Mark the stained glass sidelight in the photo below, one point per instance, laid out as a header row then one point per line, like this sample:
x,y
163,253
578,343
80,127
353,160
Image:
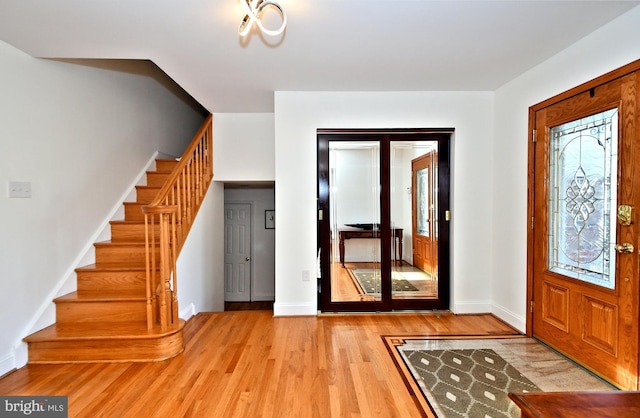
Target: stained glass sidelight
x,y
582,196
422,189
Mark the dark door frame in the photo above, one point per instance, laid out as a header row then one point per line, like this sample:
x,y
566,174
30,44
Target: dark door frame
x,y
385,136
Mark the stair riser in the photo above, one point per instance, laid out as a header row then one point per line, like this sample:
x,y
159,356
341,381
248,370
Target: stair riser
x,y
121,255
133,212
166,165
130,232
156,179
106,280
106,350
100,311
146,195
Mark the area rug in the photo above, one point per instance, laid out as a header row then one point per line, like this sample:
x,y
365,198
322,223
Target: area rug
x,y
471,376
369,281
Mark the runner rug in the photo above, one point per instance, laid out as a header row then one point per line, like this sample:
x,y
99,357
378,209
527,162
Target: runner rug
x,y
472,376
369,281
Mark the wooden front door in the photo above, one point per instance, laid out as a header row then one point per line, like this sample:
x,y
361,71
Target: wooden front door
x,y
585,228
424,193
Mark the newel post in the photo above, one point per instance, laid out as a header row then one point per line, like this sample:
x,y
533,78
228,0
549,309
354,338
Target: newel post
x,y
161,283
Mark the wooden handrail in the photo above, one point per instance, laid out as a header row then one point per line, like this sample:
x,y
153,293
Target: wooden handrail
x,y
204,131
174,208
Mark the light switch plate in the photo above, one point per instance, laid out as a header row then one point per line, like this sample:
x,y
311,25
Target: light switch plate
x,y
19,189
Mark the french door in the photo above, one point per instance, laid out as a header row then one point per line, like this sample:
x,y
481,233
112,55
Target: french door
x,y
585,230
367,202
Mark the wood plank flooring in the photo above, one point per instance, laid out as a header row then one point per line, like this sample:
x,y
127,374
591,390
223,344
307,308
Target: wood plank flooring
x,y
344,287
250,364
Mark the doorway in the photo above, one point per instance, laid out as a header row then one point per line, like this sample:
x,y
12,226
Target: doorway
x,y
368,205
584,195
237,252
424,212
249,242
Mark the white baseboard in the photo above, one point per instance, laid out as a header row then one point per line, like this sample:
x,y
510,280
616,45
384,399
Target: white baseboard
x,y
16,359
7,363
510,318
188,312
283,309
472,307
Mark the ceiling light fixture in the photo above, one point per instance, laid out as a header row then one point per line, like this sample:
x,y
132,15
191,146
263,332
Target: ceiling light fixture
x,y
254,10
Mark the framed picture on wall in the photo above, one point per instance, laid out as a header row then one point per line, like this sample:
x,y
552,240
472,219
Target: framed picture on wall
x,y
270,219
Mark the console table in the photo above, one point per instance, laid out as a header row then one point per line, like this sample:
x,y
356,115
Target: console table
x,y
614,404
351,233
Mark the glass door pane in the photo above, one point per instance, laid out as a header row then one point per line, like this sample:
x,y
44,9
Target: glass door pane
x,y
583,167
414,219
354,196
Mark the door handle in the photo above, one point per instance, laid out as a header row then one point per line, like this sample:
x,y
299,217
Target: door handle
x,y
626,248
249,258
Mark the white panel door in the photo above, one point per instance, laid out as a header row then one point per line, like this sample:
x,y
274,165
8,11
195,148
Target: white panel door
x,y
237,255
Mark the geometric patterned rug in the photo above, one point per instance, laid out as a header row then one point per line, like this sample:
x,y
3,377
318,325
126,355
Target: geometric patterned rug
x,y
471,376
470,383
369,281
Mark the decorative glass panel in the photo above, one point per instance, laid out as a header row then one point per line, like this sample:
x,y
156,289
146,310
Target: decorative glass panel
x,y
582,197
422,200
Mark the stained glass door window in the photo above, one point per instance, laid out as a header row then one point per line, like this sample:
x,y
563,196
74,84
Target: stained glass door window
x,y
582,197
422,202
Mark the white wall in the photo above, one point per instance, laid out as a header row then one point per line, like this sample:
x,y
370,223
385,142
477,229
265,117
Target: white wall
x,y
81,135
355,198
244,147
263,240
608,48
299,114
200,268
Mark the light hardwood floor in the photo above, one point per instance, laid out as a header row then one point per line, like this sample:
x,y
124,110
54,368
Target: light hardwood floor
x,y
345,289
250,364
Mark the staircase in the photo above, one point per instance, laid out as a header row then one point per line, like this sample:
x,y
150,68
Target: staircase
x,y
119,313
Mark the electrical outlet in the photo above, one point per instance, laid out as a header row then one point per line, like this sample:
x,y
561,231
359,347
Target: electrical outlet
x,y
19,189
306,275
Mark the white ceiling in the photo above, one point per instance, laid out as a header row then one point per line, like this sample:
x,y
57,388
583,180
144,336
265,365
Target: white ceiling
x,y
329,45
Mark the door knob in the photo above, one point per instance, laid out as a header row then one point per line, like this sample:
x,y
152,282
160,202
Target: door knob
x,y
247,258
624,248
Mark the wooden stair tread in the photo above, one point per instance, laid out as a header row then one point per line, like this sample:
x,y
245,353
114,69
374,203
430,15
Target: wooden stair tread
x,y
119,244
193,187
81,296
106,330
94,267
126,222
